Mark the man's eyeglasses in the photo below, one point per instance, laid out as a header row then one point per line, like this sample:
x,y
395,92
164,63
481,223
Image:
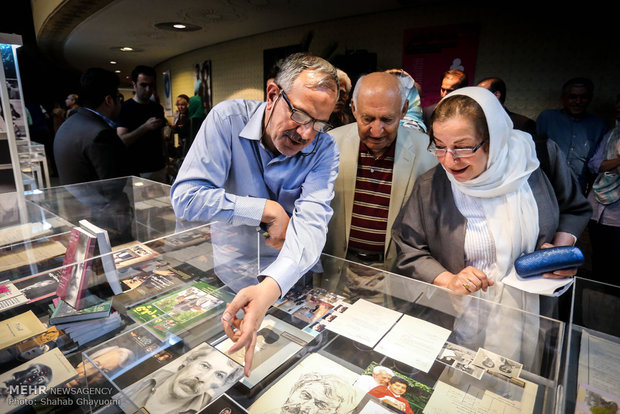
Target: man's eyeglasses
x,y
303,118
456,152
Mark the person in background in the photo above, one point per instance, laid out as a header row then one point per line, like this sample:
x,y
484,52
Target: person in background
x,y
413,118
181,124
342,112
576,131
604,227
498,87
141,127
451,80
86,147
72,105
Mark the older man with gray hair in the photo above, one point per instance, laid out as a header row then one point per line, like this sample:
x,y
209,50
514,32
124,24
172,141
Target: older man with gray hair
x,y
270,164
379,164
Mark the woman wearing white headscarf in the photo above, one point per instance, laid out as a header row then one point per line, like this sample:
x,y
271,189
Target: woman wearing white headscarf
x,y
486,204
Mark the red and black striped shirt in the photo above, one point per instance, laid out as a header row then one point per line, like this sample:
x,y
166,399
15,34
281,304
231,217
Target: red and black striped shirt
x,y
371,203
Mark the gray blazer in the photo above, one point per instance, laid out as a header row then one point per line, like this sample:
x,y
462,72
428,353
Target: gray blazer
x,y
429,232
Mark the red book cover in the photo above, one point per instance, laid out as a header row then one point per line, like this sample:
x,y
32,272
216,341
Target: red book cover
x,y
68,263
76,283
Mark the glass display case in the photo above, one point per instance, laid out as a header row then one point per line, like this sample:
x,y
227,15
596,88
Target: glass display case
x,y
592,375
347,338
36,228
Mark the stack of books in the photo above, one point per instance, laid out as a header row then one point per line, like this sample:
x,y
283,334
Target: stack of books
x,y
86,324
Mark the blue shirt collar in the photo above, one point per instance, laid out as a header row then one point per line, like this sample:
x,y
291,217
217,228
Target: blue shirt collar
x,y
107,120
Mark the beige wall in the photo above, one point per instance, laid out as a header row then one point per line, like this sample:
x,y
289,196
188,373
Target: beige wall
x,y
534,57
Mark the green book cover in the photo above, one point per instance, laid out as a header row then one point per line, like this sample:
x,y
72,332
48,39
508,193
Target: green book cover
x,y
65,313
182,308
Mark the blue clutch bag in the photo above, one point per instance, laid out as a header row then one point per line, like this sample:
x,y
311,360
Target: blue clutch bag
x,y
547,260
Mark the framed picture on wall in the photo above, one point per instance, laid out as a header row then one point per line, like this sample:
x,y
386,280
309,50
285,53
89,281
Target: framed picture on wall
x,y
430,51
167,94
202,84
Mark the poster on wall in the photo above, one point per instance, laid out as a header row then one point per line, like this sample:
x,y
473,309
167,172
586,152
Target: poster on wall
x,y
430,51
202,85
167,94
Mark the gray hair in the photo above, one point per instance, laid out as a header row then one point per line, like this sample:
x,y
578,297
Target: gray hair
x,y
334,388
296,63
380,368
402,90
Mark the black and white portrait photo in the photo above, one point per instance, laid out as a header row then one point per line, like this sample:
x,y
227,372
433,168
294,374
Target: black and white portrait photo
x,y
187,384
316,385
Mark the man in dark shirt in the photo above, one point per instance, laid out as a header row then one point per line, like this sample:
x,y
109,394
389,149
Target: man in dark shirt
x,y
86,146
498,87
140,126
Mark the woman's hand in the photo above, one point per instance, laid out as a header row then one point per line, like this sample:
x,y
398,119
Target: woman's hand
x,y
466,281
561,273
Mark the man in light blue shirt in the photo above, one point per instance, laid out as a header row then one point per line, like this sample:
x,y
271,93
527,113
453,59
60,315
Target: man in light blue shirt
x,y
576,131
268,163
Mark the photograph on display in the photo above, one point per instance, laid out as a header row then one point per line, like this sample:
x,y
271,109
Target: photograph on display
x,y
130,350
394,389
315,385
38,287
181,309
188,238
494,363
460,358
276,342
127,256
310,305
591,400
225,405
187,384
10,296
458,392
32,379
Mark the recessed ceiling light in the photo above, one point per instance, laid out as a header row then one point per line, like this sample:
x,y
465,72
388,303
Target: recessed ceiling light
x,y
126,49
177,26
117,71
112,62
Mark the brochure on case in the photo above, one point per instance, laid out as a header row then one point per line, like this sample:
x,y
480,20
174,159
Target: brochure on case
x,y
364,322
19,328
599,363
456,392
181,309
10,296
414,341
